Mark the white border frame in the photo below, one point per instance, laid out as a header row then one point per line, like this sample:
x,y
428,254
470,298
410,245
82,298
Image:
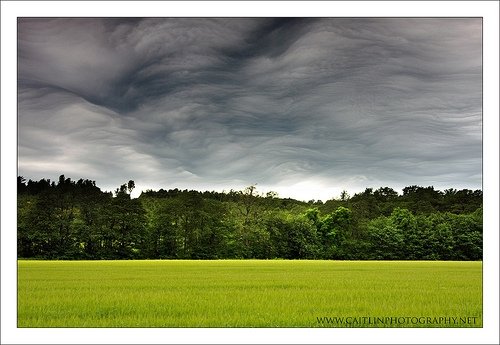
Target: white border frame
x,y
11,10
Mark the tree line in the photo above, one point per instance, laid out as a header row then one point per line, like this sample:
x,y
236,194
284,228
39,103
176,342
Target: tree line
x,y
76,220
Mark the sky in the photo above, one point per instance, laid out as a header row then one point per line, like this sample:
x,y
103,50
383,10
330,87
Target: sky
x,y
306,107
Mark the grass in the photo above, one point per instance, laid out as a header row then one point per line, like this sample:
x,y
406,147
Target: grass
x,y
248,293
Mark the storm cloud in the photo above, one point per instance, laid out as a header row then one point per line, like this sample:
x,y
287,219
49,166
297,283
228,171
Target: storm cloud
x,y
303,106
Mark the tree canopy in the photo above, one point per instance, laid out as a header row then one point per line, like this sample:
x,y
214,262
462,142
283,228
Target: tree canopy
x,y
76,220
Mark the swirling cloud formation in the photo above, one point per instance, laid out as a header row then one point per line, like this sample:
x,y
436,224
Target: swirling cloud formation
x,y
303,106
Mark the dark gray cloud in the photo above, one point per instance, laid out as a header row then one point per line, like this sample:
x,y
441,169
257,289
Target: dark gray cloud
x,y
307,107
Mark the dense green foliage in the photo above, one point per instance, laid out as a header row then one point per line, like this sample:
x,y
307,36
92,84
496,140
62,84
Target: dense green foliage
x,y
247,293
76,220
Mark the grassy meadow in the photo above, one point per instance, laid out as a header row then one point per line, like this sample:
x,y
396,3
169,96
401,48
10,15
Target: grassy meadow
x,y
249,293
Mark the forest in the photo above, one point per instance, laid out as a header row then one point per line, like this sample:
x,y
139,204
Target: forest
x,y
75,220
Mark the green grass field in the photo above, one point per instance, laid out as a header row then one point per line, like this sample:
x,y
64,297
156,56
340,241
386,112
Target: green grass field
x,y
249,293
